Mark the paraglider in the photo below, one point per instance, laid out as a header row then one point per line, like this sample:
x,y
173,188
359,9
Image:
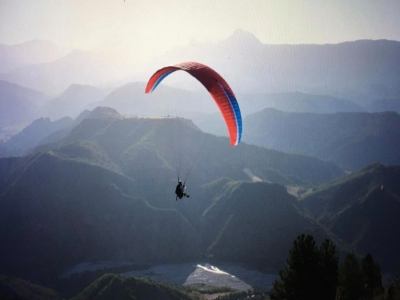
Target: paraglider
x,y
180,191
218,88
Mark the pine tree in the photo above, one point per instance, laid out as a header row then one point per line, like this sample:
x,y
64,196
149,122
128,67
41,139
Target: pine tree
x,y
329,270
393,292
372,277
311,272
351,283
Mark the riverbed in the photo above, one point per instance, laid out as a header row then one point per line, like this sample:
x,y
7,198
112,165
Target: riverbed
x,y
233,276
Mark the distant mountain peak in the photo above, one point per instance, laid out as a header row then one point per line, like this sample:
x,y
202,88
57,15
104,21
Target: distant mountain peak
x,y
102,112
241,36
73,88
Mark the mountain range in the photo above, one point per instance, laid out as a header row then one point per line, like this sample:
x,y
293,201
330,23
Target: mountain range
x,y
347,77
350,140
29,53
104,191
76,67
361,71
114,174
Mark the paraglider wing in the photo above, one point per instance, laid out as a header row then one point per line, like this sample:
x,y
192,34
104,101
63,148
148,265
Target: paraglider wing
x,y
216,86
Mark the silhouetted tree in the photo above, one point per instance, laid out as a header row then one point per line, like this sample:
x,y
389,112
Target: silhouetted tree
x,y
311,273
329,270
372,277
393,292
351,286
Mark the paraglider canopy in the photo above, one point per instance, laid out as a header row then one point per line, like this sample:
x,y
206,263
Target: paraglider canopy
x,y
218,88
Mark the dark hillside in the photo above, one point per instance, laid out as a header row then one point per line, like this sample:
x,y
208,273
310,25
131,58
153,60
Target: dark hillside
x,y
7,166
255,223
60,212
112,286
154,151
106,192
18,289
363,209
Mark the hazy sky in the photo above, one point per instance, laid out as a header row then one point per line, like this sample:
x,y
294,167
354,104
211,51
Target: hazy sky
x,y
148,28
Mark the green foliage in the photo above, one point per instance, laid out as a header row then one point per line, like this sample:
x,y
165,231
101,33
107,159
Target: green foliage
x,y
372,276
311,272
393,292
351,284
328,266
360,280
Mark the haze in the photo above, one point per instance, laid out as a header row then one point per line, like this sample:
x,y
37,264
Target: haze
x,y
89,162
137,31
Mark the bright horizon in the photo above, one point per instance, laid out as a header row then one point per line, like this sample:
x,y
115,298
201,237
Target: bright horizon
x,y
138,31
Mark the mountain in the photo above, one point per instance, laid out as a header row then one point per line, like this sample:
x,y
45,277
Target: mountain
x,y
112,286
362,209
177,142
31,135
289,102
28,53
18,289
58,212
131,99
296,102
158,150
201,109
44,131
72,101
77,67
106,192
361,71
255,223
198,105
57,135
18,104
350,140
384,105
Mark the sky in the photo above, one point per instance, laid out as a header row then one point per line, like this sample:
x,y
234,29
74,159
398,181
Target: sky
x,y
146,29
